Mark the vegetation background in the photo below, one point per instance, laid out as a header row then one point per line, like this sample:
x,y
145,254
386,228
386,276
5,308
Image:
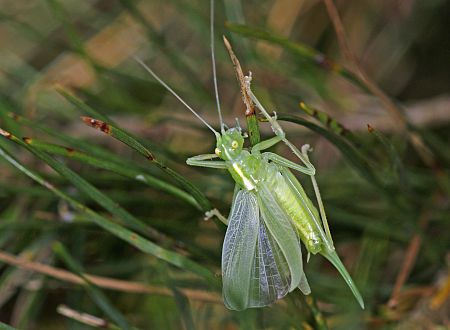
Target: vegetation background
x,y
107,230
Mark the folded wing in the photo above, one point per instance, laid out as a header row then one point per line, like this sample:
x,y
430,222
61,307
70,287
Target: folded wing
x,y
261,260
238,253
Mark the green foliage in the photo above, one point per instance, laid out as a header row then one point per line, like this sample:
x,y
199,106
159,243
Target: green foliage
x,y
119,202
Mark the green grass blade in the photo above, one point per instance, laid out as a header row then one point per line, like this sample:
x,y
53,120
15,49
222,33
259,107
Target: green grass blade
x,y
106,126
133,143
90,190
96,294
301,50
184,309
328,121
81,105
4,326
117,230
350,153
117,167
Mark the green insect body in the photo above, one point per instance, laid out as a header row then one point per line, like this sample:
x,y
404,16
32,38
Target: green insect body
x,y
256,172
270,215
248,169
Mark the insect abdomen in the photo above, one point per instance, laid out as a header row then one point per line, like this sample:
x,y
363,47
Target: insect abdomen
x,y
294,208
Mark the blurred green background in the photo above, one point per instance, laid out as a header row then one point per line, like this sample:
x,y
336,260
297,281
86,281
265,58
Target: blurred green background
x,y
73,200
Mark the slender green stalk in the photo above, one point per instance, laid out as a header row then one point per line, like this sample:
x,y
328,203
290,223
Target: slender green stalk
x,y
320,320
117,167
130,141
96,294
117,230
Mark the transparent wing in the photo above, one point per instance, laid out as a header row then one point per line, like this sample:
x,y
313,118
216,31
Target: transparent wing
x,y
255,269
271,277
239,251
280,227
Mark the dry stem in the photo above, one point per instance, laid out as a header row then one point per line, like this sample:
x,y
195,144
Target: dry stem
x,y
105,282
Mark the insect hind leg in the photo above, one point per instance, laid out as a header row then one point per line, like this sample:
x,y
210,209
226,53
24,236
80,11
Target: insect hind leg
x,y
276,128
302,155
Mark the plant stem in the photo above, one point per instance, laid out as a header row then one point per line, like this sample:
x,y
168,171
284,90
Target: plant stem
x,y
250,114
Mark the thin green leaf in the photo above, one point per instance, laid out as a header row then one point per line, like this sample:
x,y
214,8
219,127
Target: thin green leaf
x,y
96,294
328,121
170,53
133,143
184,308
4,326
127,138
350,153
117,230
397,165
115,166
89,190
303,51
81,105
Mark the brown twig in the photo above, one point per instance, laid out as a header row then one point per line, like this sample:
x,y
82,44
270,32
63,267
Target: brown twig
x,y
84,318
250,113
105,282
425,154
250,108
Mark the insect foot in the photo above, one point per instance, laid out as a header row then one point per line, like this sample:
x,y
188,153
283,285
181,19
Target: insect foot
x,y
215,213
248,79
306,148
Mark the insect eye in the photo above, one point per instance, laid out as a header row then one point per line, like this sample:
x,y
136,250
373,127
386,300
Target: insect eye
x,y
217,151
234,144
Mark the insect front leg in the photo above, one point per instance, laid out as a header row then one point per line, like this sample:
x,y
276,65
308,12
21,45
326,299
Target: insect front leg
x,y
266,144
205,161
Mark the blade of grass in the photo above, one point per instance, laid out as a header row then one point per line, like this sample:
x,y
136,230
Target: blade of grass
x,y
184,309
117,230
81,105
96,294
172,54
127,138
88,189
328,121
350,153
303,51
130,141
116,167
4,326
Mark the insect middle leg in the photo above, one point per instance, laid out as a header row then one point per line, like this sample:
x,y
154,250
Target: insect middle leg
x,y
276,128
205,161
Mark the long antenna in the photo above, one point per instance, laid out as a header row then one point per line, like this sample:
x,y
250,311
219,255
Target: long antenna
x,y
213,58
173,93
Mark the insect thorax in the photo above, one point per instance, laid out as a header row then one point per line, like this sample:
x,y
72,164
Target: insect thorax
x,y
245,170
